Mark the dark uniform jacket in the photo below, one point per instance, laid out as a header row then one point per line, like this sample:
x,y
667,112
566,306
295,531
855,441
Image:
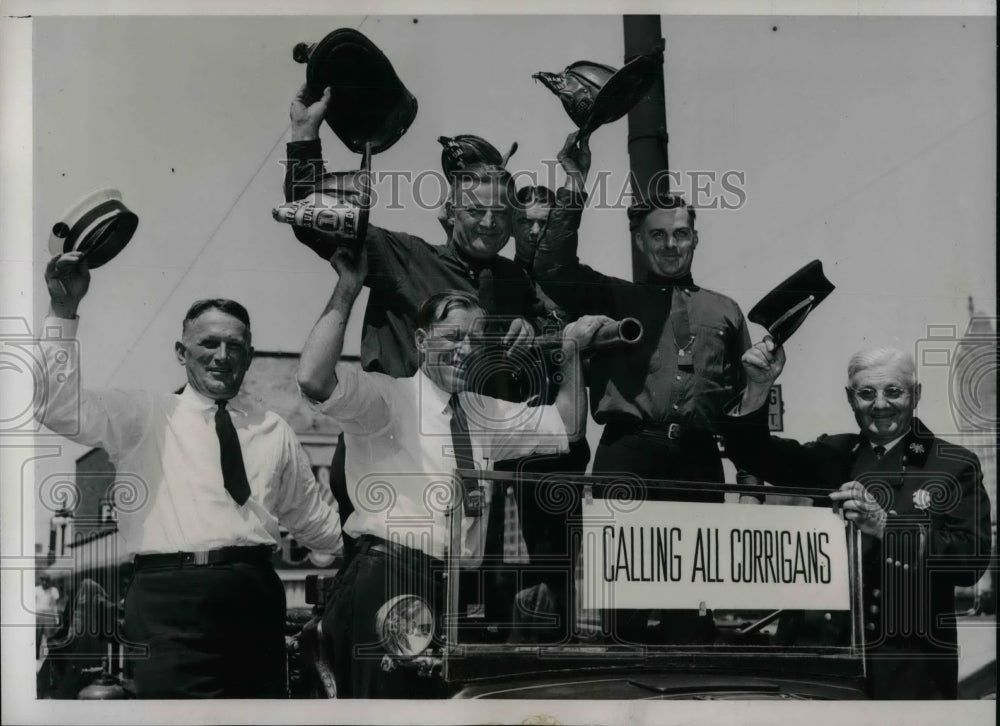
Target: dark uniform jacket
x,y
646,382
404,270
937,537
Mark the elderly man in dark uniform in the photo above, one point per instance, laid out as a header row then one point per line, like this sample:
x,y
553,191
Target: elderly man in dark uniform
x,y
918,500
659,400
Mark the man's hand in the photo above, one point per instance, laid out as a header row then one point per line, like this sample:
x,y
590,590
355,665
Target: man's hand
x,y
578,335
307,114
762,365
68,279
351,267
520,334
575,159
764,362
861,508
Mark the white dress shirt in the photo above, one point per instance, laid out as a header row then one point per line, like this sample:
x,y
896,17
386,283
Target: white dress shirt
x,y
400,463
169,490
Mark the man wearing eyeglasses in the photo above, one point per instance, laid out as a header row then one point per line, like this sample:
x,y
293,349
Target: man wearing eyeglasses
x,y
659,400
918,500
405,437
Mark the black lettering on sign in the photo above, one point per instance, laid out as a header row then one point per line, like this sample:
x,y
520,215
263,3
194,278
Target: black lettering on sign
x,y
640,554
826,567
735,563
706,555
609,571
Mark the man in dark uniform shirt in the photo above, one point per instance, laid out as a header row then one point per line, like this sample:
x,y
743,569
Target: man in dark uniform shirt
x,y
918,500
404,270
659,400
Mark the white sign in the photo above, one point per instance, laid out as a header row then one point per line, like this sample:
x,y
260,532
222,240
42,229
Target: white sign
x,y
679,555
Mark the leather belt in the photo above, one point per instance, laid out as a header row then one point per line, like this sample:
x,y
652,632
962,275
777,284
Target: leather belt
x,y
251,554
673,430
370,542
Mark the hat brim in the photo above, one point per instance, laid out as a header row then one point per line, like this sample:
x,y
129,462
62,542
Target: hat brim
x,y
623,91
368,103
99,232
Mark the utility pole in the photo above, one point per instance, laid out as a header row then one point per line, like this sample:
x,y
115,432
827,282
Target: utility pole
x,y
647,121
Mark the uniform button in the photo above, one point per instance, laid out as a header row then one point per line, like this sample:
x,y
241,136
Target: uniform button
x,y
898,563
873,609
876,593
675,406
905,566
888,560
680,354
677,377
827,616
870,627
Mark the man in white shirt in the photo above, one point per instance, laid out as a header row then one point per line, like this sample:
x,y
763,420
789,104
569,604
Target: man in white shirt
x,y
404,440
215,480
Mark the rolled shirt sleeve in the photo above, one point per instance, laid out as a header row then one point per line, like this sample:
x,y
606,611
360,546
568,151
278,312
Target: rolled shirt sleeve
x,y
510,430
356,403
300,506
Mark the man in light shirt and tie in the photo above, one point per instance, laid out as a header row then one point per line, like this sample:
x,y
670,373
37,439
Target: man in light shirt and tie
x,y
215,481
405,437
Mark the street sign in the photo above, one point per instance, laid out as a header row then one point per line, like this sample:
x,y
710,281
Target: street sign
x,y
775,409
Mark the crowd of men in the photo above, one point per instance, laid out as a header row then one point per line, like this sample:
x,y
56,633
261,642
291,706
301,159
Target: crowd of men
x,y
205,600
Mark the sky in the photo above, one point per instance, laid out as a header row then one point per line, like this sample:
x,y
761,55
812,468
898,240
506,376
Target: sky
x,y
866,142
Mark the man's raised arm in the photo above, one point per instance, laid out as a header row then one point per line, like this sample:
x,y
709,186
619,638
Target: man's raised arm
x,y
317,375
107,417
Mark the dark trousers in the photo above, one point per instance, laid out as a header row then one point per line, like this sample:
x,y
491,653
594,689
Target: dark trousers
x,y
212,632
371,579
639,454
543,513
652,454
338,486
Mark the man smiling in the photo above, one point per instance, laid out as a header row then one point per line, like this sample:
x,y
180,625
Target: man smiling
x,y
215,479
918,500
404,439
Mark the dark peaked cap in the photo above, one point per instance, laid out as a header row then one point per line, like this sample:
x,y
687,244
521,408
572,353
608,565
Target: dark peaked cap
x,y
786,307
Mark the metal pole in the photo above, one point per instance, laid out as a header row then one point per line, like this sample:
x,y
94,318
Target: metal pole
x,y
647,121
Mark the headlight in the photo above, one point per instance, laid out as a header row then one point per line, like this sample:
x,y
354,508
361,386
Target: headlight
x,y
405,626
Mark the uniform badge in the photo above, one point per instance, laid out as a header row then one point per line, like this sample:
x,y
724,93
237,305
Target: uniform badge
x,y
921,499
917,448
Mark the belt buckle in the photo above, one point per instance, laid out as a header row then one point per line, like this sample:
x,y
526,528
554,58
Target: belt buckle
x,y
674,431
200,558
473,501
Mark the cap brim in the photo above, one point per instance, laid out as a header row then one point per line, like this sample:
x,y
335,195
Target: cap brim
x,y
99,226
786,307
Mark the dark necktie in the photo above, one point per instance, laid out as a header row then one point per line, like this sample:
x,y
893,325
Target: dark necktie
x,y
462,442
879,451
487,291
234,473
681,326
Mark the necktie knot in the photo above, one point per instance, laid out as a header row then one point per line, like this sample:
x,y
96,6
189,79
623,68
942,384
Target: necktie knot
x,y
879,451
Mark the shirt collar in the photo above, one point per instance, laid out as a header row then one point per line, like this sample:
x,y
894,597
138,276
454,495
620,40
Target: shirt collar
x,y
434,398
889,447
192,398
